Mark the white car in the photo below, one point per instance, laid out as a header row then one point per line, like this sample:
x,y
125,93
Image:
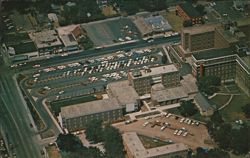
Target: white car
x,y
163,127
185,134
179,133
176,131
145,124
182,120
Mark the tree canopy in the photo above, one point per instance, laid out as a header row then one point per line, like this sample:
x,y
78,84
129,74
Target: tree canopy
x,y
213,153
94,131
113,143
246,110
187,109
110,137
209,84
68,143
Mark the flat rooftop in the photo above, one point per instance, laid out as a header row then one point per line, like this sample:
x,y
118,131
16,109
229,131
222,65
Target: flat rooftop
x,y
228,35
89,108
137,149
189,84
200,29
154,71
151,24
23,48
213,53
44,39
161,95
190,10
246,60
68,40
123,92
158,23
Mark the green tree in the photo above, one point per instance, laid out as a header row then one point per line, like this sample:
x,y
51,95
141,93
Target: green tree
x,y
241,140
209,84
200,9
246,110
68,143
216,118
212,153
86,43
223,136
187,109
113,143
187,23
94,131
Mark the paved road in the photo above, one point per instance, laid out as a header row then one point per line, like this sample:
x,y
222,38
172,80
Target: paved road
x,y
15,118
103,51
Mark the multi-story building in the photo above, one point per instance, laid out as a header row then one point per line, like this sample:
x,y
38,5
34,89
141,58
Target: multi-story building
x,y
135,149
198,38
210,36
47,41
75,117
142,80
125,94
189,13
224,63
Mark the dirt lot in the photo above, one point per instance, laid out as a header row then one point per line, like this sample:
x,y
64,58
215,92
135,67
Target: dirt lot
x,y
53,152
195,138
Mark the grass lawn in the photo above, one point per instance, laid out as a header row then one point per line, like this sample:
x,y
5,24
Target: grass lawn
x,y
149,142
233,110
21,20
220,100
175,21
233,88
230,88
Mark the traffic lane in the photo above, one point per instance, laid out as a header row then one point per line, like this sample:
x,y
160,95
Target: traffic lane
x,y
23,120
45,117
18,121
91,53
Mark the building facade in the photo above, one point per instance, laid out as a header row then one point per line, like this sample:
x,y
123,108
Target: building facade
x,y
47,42
224,63
135,149
142,80
198,38
75,117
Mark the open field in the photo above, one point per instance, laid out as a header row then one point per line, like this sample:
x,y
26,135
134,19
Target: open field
x,y
233,111
53,152
109,11
21,21
220,100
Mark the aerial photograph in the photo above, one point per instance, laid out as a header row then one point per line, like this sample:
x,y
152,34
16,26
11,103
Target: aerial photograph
x,y
124,78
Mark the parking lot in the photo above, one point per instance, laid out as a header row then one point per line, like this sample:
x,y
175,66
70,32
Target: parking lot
x,y
90,75
169,127
112,31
